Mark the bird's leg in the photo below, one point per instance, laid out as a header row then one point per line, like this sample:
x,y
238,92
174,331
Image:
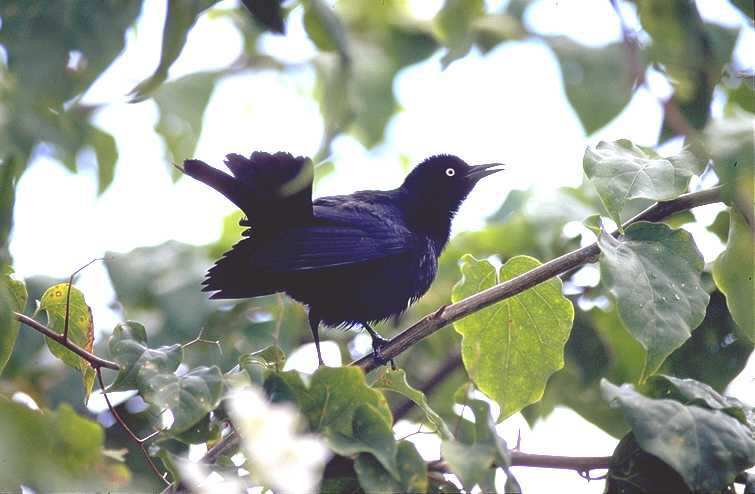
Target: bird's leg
x,y
378,342
314,324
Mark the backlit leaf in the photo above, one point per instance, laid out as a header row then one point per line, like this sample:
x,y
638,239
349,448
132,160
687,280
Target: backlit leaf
x,y
80,327
500,341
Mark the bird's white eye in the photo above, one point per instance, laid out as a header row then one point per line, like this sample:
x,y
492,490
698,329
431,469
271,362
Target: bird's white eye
x,y
450,172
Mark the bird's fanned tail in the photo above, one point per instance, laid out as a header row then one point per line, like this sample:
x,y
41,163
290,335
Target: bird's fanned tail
x,y
261,183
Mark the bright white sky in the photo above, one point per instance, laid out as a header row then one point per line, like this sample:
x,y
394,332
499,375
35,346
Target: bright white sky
x,y
508,106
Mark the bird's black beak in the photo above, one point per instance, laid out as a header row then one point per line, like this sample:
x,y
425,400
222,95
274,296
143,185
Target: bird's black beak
x,y
476,172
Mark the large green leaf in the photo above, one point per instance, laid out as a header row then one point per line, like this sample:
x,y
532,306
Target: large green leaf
x,y
500,342
12,299
333,396
733,273
80,327
179,20
139,363
708,448
598,81
621,171
654,273
395,380
370,434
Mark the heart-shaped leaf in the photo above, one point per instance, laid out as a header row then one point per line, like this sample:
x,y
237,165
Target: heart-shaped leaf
x,y
499,342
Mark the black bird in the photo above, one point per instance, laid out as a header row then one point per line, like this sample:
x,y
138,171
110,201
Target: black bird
x,y
354,259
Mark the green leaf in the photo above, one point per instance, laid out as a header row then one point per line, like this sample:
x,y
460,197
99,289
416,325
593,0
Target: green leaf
x,y
51,451
370,434
621,171
179,20
691,392
499,340
80,328
654,273
139,363
9,169
182,105
598,81
189,397
395,380
107,154
715,354
708,448
469,462
746,6
325,28
270,357
333,396
691,52
454,26
375,479
733,273
731,145
284,387
12,299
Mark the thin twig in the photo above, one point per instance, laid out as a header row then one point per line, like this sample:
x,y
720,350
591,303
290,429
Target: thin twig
x,y
68,293
95,361
580,464
435,321
140,442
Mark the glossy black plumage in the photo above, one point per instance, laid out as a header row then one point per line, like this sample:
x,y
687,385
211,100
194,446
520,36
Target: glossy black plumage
x,y
353,259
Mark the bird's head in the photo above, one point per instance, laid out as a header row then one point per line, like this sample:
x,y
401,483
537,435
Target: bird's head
x,y
441,183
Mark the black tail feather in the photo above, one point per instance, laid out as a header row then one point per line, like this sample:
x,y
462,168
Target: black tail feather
x,y
261,182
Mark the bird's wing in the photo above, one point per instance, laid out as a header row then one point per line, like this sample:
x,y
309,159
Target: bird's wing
x,y
320,247
268,188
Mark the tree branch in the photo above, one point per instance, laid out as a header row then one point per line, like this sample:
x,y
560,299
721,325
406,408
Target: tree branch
x,y
446,315
95,361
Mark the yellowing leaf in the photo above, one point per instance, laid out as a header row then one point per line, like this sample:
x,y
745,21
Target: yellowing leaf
x,y
80,327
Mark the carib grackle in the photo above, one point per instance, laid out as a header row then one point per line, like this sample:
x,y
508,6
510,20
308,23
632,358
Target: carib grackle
x,y
354,259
